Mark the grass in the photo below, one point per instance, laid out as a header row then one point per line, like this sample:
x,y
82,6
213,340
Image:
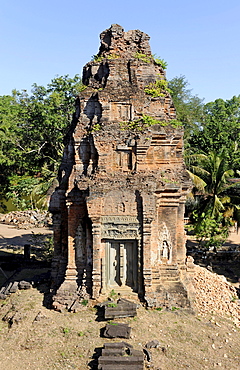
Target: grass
x,y
66,331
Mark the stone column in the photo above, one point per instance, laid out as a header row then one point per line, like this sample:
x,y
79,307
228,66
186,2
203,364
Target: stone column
x,y
122,264
103,263
96,271
139,266
59,260
70,281
169,213
147,220
181,239
147,269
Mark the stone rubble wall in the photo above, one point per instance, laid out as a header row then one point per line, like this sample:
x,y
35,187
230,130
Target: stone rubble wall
x,y
214,295
26,219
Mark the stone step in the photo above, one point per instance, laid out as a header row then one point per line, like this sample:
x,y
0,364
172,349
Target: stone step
x,y
165,272
168,278
123,308
163,283
176,287
120,356
165,276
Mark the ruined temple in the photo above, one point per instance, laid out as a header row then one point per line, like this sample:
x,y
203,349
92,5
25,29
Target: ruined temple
x,y
118,212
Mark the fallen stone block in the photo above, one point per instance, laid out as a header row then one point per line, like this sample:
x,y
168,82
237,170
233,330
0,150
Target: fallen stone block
x,y
152,344
123,308
120,356
14,287
117,330
7,289
24,285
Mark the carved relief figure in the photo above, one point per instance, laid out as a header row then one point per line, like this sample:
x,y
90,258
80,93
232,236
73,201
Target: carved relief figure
x,y
78,243
121,207
164,246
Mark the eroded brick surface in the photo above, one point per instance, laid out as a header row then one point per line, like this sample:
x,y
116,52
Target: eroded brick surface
x,y
118,212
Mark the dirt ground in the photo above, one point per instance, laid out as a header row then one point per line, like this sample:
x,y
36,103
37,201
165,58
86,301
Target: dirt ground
x,y
38,338
11,236
33,337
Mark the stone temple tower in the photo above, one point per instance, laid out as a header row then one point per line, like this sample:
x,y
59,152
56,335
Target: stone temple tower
x,y
118,212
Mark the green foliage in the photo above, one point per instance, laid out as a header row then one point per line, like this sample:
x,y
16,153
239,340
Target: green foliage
x,y
97,58
84,302
217,205
96,127
112,294
210,231
159,61
20,189
43,246
113,56
110,322
212,134
175,308
147,121
220,129
175,123
112,304
40,194
32,128
158,88
66,331
189,107
140,124
144,57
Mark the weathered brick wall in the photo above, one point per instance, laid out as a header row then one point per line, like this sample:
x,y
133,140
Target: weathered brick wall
x,y
122,180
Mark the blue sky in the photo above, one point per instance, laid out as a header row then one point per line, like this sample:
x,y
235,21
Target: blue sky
x,y
198,39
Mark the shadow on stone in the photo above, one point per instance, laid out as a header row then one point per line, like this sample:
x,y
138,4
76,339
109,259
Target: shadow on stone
x,y
93,364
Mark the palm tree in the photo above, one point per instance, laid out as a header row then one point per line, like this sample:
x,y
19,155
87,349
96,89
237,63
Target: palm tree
x,y
41,193
218,201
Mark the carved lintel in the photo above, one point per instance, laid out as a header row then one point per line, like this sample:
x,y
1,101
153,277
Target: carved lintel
x,y
119,219
120,227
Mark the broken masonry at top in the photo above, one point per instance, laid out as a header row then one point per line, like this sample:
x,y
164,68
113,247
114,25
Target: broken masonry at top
x,y
118,213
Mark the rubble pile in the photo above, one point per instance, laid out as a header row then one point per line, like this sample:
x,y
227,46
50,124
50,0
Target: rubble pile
x,y
26,219
215,295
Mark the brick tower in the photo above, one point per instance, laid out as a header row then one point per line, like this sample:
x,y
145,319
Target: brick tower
x,y
118,212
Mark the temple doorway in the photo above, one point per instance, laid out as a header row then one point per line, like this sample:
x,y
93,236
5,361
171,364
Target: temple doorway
x,y
121,264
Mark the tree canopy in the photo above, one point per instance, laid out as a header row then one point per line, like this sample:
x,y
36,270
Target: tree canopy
x,y
32,128
189,107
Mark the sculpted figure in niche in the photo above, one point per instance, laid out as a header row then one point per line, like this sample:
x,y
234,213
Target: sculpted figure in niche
x,y
88,154
165,251
164,246
121,207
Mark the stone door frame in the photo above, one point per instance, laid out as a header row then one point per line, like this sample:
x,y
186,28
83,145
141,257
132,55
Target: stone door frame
x,y
136,265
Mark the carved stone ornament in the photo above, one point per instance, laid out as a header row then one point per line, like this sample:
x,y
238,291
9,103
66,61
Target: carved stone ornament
x,y
120,227
164,246
79,240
